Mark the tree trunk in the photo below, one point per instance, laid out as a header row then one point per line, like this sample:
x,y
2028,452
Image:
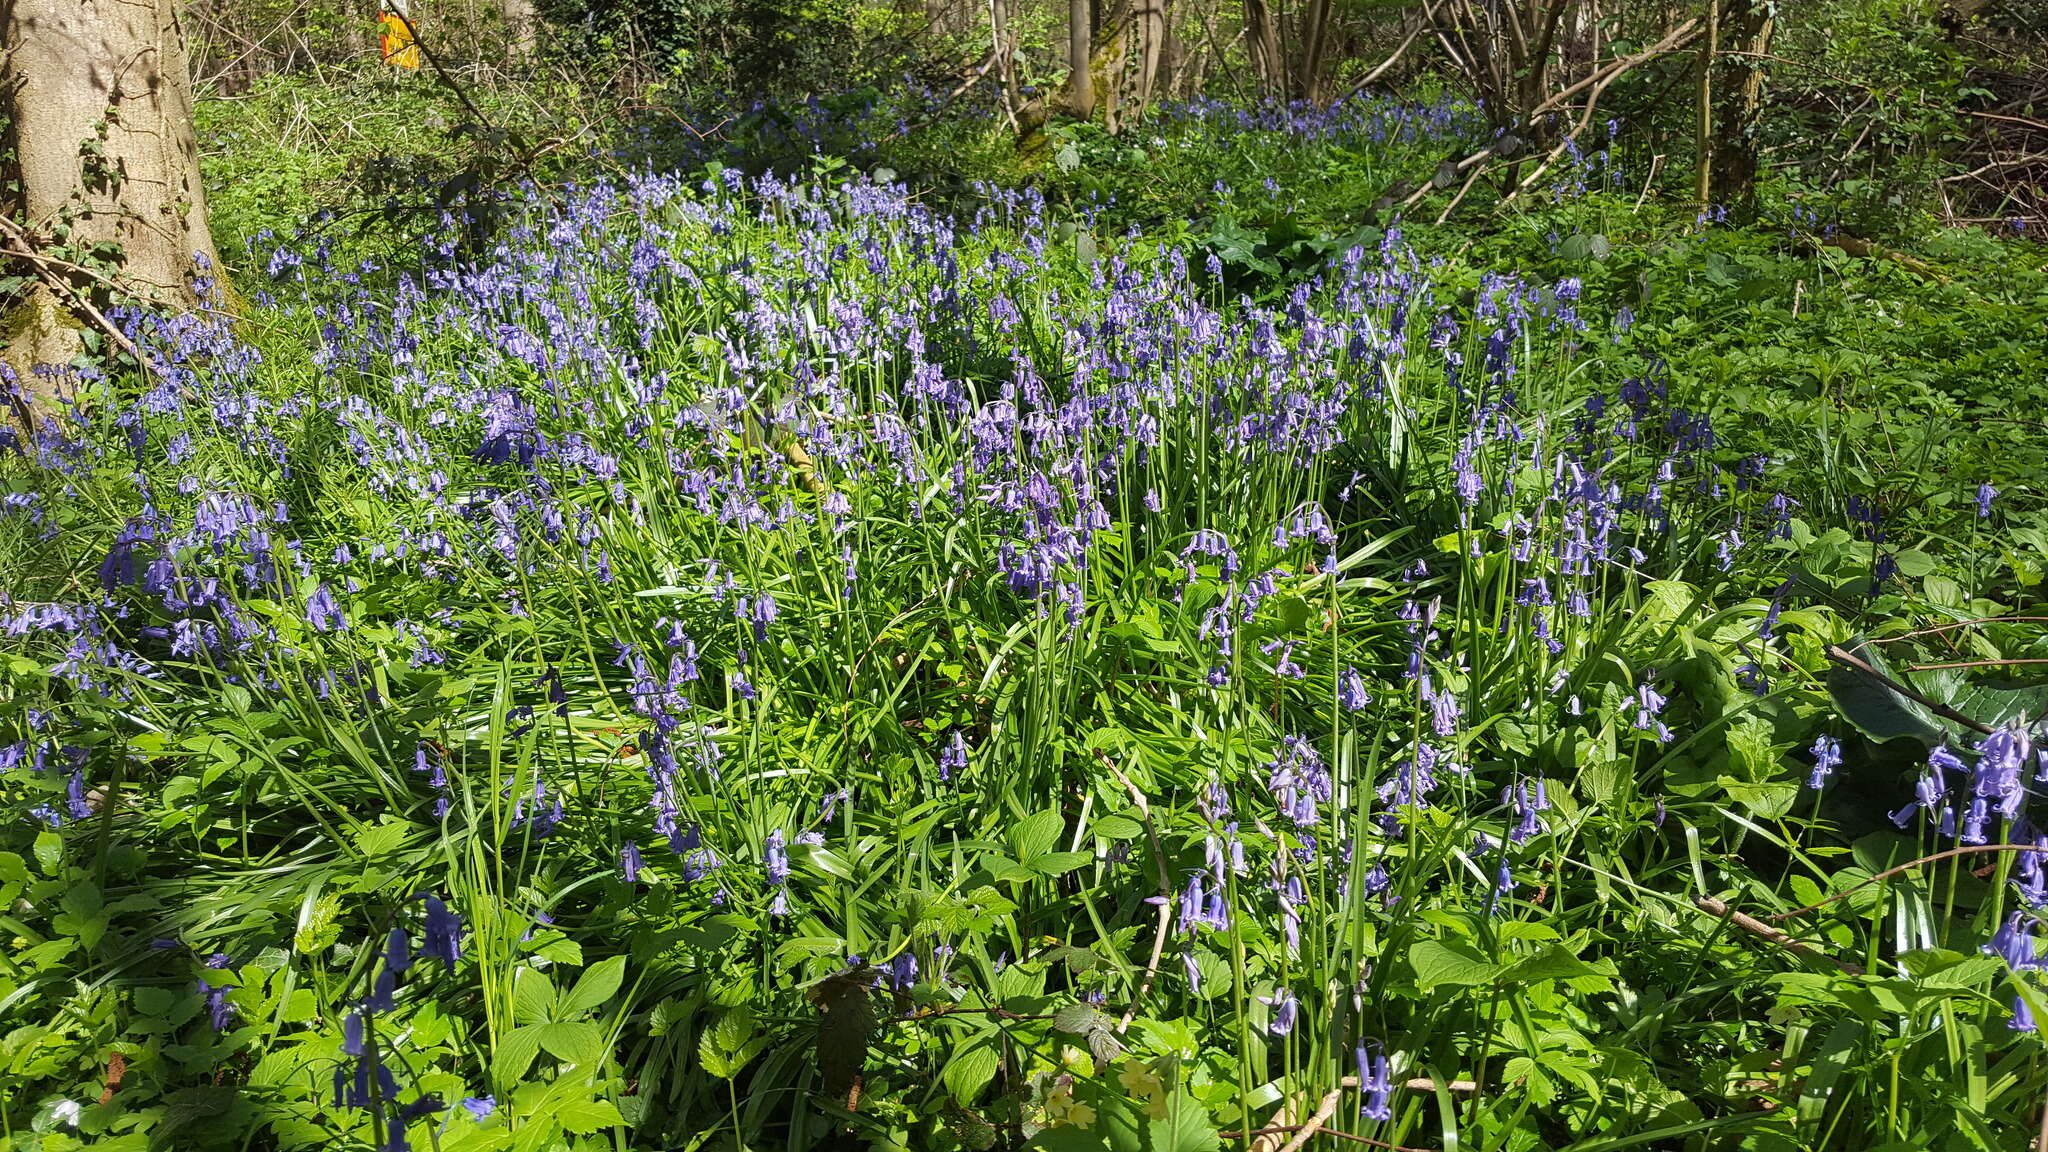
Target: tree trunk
x,y
1703,132
1080,56
1148,19
1264,40
98,96
1738,104
522,26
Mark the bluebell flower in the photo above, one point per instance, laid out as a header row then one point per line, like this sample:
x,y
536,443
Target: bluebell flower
x,y
1286,1010
443,934
1375,1082
323,613
1985,494
1351,692
1827,756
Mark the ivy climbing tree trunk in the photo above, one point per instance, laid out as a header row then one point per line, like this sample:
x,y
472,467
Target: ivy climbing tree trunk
x,y
105,169
1738,90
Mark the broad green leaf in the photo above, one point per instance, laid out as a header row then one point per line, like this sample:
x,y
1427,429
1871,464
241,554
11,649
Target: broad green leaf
x,y
516,1052
584,1117
1456,965
573,1042
533,996
1036,834
970,1070
597,985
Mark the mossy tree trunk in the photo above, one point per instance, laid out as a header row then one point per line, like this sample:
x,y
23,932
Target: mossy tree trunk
x,y
105,168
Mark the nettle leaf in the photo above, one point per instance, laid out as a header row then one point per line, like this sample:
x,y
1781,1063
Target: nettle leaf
x,y
847,1024
1454,965
1078,1019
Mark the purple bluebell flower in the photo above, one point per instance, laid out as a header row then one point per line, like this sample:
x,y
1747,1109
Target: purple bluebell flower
x,y
629,862
443,934
323,613
2014,943
479,1107
1375,1081
1351,692
1985,495
776,860
1827,756
953,758
1286,1010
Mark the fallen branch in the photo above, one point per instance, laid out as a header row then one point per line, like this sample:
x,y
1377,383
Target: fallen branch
x,y
1859,247
25,248
1601,76
1763,931
1841,655
1165,890
1907,866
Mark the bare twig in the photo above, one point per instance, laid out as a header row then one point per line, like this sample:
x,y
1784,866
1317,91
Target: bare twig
x,y
25,248
1907,866
1841,655
1952,625
1763,931
1165,890
1972,664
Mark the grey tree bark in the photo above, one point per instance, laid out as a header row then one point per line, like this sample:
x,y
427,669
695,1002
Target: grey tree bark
x,y
98,96
1080,55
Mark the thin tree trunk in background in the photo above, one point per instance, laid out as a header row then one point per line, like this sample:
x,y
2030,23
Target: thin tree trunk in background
x,y
1738,110
98,95
1005,55
1703,137
1308,81
521,26
1148,22
1264,41
1080,58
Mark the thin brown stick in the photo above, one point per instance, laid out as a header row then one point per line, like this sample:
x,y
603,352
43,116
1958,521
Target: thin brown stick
x,y
1972,664
1961,623
26,249
1320,1117
1763,931
1841,655
1428,15
1907,866
1281,1129
1165,890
